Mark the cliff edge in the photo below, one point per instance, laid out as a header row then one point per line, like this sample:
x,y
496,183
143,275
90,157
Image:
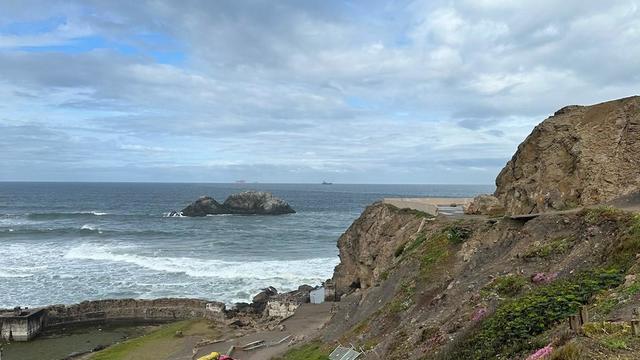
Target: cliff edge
x,y
582,155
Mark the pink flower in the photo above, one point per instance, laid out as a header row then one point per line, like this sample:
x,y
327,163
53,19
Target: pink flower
x,y
541,353
542,278
479,314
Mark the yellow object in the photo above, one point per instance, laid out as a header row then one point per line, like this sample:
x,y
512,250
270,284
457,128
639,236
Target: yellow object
x,y
213,356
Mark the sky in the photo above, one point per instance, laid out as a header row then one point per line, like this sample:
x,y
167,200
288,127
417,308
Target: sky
x,y
297,91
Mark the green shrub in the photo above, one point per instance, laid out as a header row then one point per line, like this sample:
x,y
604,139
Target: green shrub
x,y
414,245
516,322
508,285
570,351
613,343
457,234
556,246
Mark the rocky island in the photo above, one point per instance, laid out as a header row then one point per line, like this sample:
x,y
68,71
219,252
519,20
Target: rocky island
x,y
244,203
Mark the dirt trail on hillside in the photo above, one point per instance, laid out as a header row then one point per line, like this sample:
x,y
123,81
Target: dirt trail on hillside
x,y
306,324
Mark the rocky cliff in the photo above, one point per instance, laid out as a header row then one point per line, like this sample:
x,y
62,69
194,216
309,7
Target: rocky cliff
x,y
582,155
367,247
420,288
416,287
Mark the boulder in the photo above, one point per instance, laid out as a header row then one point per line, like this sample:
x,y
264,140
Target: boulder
x,y
259,302
485,205
256,202
204,206
580,156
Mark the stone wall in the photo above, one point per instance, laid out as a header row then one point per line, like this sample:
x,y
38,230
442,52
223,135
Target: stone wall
x,y
159,310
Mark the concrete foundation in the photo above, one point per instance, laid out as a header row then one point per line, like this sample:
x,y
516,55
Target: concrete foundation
x,y
21,325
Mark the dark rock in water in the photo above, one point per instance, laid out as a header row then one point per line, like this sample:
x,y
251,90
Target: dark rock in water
x,y
256,202
244,203
204,206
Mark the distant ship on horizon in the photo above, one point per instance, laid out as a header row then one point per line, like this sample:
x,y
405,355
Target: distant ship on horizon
x,y
327,183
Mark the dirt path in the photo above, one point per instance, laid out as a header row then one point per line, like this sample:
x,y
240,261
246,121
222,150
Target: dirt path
x,y
305,325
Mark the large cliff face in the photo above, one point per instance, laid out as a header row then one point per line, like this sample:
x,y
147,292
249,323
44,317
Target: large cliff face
x,y
443,289
367,247
583,155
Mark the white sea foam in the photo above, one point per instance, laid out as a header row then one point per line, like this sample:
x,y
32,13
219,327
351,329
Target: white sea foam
x,y
291,270
13,274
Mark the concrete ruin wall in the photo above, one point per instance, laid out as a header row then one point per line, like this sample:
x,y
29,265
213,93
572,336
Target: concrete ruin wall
x,y
159,310
21,328
281,308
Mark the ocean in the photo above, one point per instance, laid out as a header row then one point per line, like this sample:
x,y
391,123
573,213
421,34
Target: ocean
x,y
63,243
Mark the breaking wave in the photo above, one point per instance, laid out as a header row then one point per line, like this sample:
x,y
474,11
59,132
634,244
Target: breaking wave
x,y
294,270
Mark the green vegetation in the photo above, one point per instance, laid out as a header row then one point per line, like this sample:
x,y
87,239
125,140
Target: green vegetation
x,y
159,342
403,299
601,213
457,234
614,343
516,322
625,249
417,242
414,212
555,246
570,351
508,285
311,351
437,249
384,275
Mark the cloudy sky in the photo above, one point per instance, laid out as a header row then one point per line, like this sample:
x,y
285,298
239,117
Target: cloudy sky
x,y
297,91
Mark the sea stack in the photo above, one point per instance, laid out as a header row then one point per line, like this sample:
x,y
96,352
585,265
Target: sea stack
x,y
256,202
244,203
204,206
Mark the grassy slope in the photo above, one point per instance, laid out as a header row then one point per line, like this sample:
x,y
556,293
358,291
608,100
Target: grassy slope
x,y
310,351
158,344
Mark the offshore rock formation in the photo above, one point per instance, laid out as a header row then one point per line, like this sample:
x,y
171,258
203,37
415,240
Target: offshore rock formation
x,y
244,203
582,155
204,206
256,202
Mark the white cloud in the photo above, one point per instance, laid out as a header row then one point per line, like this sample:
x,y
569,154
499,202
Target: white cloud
x,y
306,87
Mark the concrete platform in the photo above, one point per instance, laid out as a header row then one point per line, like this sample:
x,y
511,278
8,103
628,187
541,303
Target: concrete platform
x,y
431,206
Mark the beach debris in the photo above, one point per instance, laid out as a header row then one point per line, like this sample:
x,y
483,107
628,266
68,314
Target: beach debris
x,y
344,353
254,345
280,341
231,349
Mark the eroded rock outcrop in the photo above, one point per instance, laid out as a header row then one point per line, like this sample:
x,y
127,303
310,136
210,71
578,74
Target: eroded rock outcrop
x,y
367,247
485,205
204,206
244,203
256,202
582,155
